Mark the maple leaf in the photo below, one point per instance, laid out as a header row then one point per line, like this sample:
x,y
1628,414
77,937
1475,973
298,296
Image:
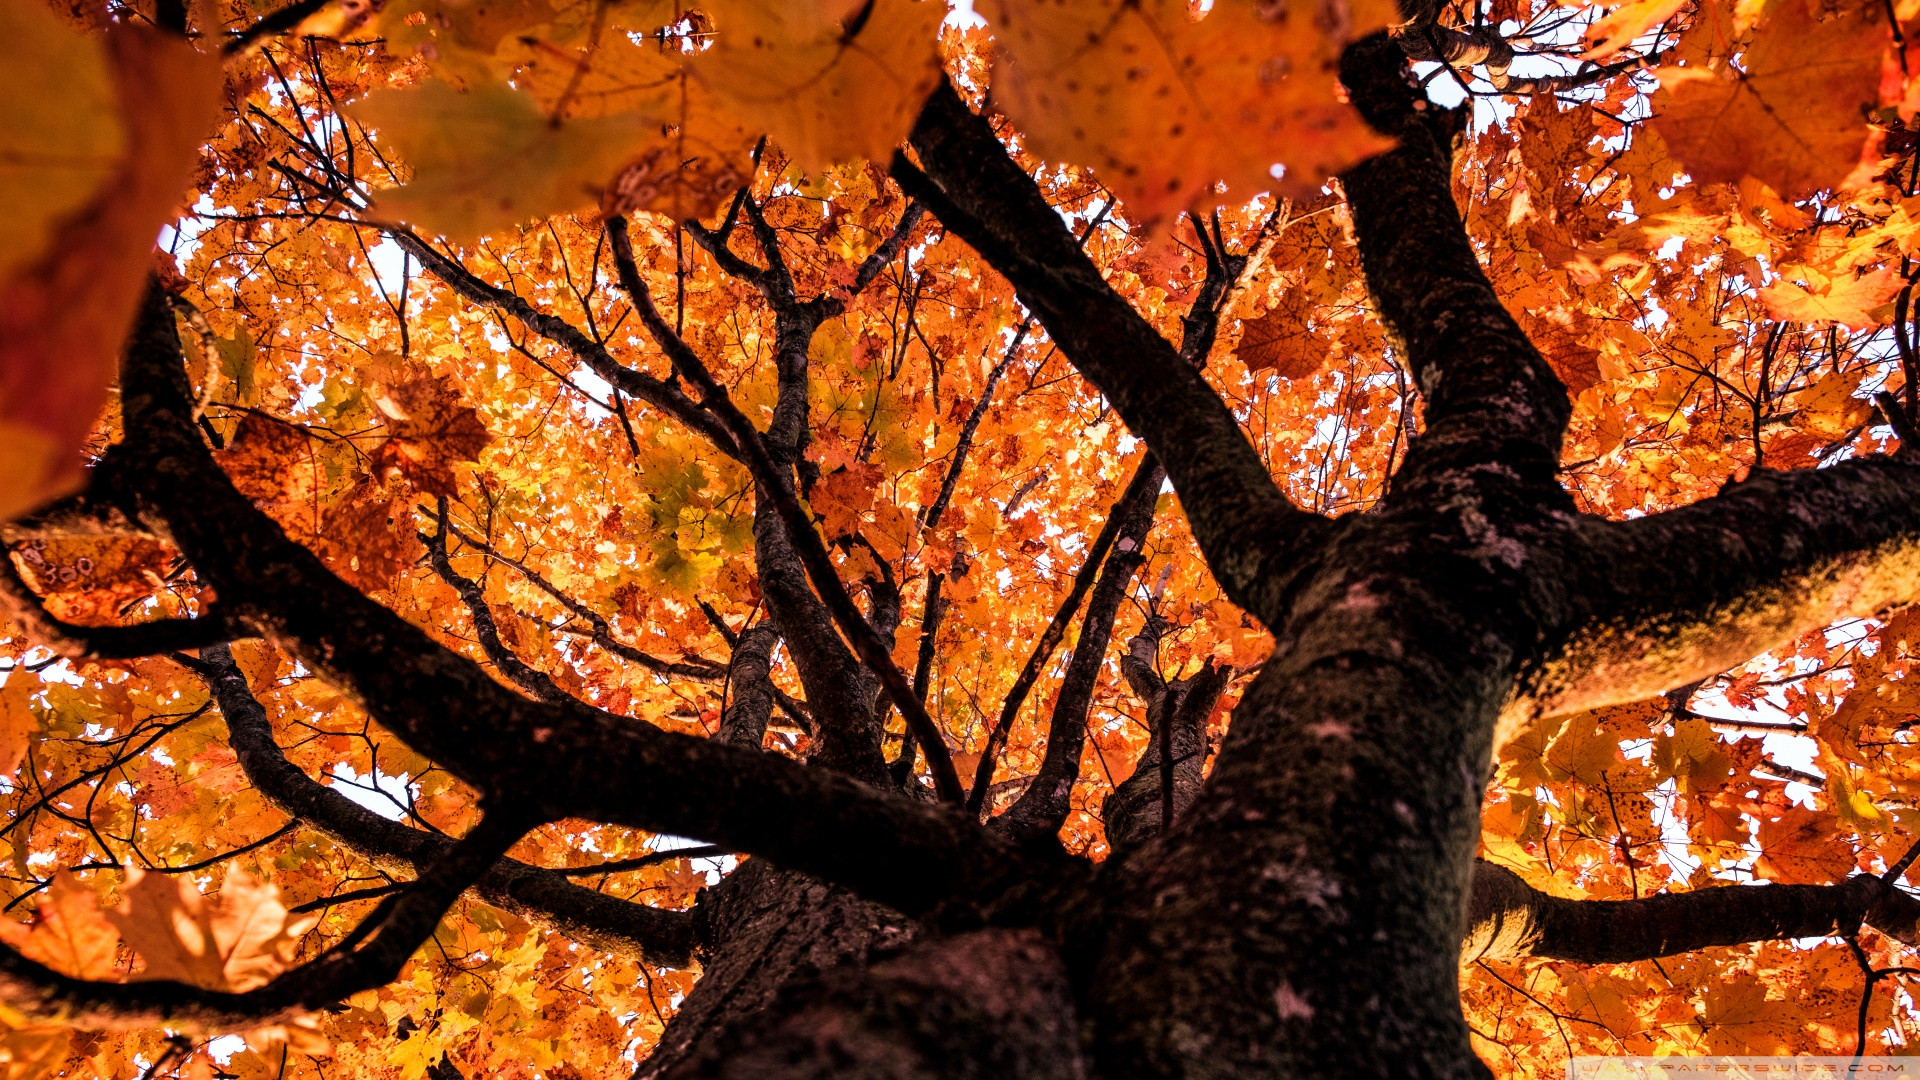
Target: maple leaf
x,y
1280,341
66,301
236,941
476,25
69,933
270,461
90,579
1849,301
1163,105
17,723
1801,846
830,80
1790,114
487,158
843,497
30,1050
700,159
431,429
369,536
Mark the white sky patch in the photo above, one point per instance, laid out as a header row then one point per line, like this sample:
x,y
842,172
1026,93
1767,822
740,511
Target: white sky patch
x,y
373,791
389,264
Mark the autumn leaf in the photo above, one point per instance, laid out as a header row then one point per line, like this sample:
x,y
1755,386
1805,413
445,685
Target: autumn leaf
x,y
17,722
369,536
1801,847
1280,341
487,158
1790,114
431,429
61,132
476,25
1844,299
843,497
67,300
29,1050
1162,106
91,579
235,941
828,80
703,152
68,932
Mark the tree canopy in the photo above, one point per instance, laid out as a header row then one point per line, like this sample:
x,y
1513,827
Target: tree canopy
x,y
1042,538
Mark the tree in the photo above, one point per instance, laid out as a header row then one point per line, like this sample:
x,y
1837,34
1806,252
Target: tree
x,y
1126,541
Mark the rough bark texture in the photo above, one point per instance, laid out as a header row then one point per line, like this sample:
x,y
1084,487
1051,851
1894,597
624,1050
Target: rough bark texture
x,y
1301,909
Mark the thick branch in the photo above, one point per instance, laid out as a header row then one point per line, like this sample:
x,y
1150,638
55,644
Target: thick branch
x,y
992,1003
750,680
1168,776
1239,516
1507,919
566,759
1490,396
1725,579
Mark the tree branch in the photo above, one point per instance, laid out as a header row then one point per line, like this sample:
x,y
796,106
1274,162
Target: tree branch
x,y
1042,809
907,855
660,394
1490,396
540,896
1144,485
777,487
1725,579
529,678
698,667
1244,525
372,955
1507,919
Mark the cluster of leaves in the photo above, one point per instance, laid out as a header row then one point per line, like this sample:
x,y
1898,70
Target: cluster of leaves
x,y
1710,253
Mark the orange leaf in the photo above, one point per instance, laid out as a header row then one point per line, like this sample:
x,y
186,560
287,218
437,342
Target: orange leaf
x,y
65,312
236,941
1848,301
1803,847
432,429
1790,116
17,723
1163,105
69,933
1280,340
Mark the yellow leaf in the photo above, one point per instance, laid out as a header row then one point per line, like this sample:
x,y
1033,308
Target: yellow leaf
x,y
487,158
1162,106
69,933
238,940
829,80
66,303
